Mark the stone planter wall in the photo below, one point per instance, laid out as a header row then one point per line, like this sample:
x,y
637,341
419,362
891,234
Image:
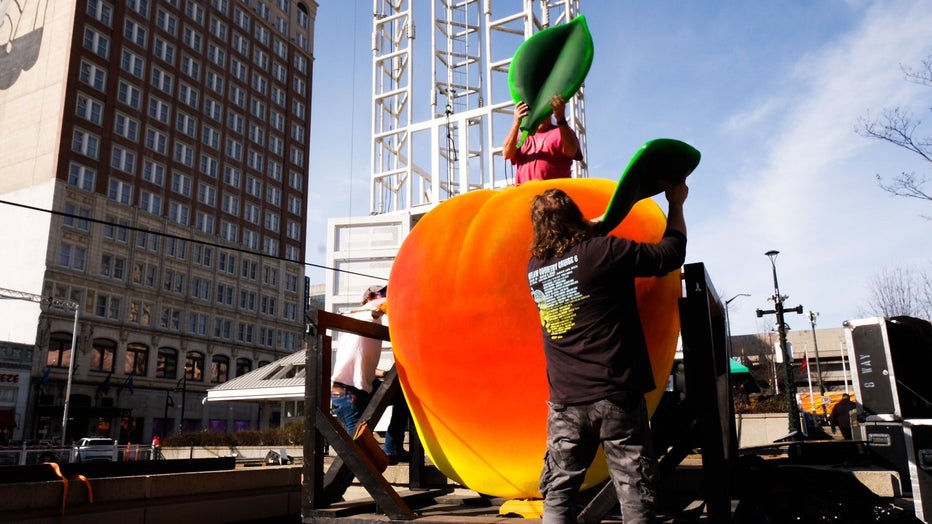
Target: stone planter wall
x,y
759,429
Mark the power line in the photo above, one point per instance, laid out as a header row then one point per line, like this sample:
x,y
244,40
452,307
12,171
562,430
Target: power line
x,y
176,237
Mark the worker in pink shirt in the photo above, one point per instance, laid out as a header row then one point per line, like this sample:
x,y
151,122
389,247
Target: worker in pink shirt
x,y
548,153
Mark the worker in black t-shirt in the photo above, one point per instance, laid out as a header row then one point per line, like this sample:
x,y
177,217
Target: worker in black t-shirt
x,y
598,367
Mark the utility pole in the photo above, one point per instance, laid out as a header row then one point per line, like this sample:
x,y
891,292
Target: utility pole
x,y
815,343
792,409
65,304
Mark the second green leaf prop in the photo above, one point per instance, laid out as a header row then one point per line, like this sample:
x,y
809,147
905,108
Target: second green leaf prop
x,y
552,62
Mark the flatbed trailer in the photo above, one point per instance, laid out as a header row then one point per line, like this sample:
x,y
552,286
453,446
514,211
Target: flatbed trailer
x,y
717,484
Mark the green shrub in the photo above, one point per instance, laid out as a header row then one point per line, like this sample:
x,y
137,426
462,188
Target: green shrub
x,y
290,435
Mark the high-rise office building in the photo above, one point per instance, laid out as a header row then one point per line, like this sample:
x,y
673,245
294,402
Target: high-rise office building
x,y
153,171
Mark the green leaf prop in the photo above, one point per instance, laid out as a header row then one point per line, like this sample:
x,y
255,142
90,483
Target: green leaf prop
x,y
656,165
554,61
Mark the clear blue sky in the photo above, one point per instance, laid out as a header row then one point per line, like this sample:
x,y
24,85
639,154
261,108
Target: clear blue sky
x,y
769,92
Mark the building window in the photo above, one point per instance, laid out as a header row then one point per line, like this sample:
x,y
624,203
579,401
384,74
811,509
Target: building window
x,y
194,366
162,80
167,363
76,217
270,246
272,221
250,239
267,337
171,318
204,222
133,64
186,124
96,43
232,176
188,95
236,122
112,266
197,324
89,109
209,166
137,359
191,67
218,29
123,160
223,328
166,22
244,332
219,369
150,202
210,137
184,153
126,127
93,76
120,191
229,231
140,313
159,110
59,350
216,54
230,204
134,33
207,194
153,172
102,355
295,180
164,51
273,196
72,256
213,109
129,95
148,241
294,230
101,11
243,366
179,213
192,38
176,248
108,307
140,6
251,213
115,232
157,142
254,186
85,144
239,70
81,177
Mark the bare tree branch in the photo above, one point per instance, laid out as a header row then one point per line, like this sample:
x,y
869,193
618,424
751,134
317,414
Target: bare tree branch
x,y
922,76
898,127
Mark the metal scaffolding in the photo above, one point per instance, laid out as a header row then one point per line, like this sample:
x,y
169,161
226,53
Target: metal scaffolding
x,y
424,153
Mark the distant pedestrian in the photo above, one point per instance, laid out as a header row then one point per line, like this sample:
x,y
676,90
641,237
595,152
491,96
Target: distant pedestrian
x,y
156,447
841,416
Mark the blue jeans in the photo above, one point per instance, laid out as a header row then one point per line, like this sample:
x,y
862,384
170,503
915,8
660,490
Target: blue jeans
x,y
348,408
574,434
398,424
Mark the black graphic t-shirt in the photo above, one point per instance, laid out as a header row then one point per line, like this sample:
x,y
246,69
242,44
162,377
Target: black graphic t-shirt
x,y
593,341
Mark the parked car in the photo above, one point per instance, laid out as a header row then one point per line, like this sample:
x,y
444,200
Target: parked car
x,y
94,449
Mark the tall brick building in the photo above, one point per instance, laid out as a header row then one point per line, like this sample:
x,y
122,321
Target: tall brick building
x,y
153,169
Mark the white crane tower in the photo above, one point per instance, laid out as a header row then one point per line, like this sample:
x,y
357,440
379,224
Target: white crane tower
x,y
437,128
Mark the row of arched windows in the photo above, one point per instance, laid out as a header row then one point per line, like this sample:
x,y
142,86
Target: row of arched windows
x,y
103,358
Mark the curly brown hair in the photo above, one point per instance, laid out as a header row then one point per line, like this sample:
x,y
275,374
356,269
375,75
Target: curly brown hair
x,y
558,224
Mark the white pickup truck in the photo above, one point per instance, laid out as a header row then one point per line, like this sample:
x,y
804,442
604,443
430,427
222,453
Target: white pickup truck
x,y
94,449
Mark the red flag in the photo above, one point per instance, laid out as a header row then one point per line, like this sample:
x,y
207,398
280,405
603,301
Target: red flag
x,y
804,366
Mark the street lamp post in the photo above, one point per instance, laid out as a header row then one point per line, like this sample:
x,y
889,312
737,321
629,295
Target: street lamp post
x,y
184,392
792,408
728,319
815,344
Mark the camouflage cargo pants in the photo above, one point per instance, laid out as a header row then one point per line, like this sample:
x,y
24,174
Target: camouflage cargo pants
x,y
573,437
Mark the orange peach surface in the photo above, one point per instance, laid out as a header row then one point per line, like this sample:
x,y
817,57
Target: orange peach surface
x,y
467,338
